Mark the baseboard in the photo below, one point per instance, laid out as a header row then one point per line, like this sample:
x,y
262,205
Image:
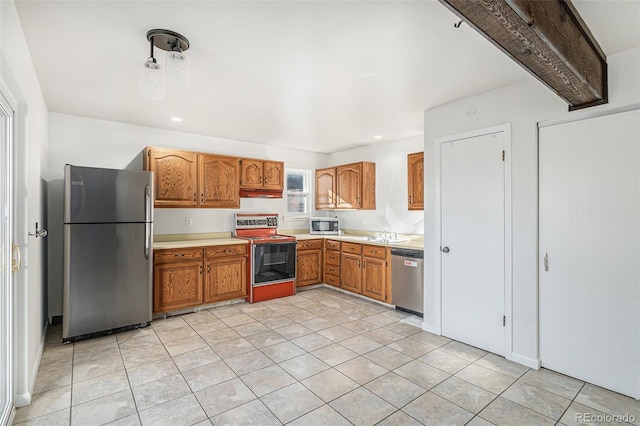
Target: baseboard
x,y
526,361
23,399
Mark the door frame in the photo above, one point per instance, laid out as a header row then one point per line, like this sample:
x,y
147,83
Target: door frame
x,y
508,250
7,103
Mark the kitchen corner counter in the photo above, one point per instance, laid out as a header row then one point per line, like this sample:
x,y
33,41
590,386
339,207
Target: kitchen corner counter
x,y
417,244
160,245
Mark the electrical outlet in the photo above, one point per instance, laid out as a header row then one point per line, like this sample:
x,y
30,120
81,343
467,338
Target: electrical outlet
x,y
188,221
364,221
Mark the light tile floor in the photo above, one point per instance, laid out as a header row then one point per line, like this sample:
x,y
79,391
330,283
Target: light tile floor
x,y
320,357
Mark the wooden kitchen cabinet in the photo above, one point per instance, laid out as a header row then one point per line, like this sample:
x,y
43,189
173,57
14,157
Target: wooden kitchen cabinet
x,y
261,174
219,181
415,180
332,262
376,272
350,186
365,270
326,189
351,272
273,175
226,272
184,278
191,179
177,279
175,176
309,266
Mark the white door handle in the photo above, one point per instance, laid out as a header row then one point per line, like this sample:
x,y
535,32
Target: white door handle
x,y
16,261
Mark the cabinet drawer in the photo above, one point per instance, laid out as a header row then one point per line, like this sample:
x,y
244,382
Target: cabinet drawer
x,y
309,244
332,245
217,251
332,258
177,255
332,280
332,270
374,251
351,248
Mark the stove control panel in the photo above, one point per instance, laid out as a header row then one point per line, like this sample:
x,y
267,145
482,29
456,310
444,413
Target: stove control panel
x,y
255,221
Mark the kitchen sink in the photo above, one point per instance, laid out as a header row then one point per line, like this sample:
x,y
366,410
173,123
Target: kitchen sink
x,y
380,239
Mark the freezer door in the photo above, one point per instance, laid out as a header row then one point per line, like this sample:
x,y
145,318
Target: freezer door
x,y
107,277
94,195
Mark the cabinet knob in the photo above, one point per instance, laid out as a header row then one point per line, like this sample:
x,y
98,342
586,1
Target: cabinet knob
x,y
195,197
201,269
445,249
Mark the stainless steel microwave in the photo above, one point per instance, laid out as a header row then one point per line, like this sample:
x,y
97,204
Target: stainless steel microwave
x,y
324,225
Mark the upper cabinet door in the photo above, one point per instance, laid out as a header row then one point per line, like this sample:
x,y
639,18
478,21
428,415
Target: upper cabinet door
x,y
273,175
415,167
325,189
219,181
349,187
251,173
175,177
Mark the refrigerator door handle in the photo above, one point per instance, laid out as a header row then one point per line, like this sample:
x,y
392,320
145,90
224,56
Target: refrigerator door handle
x,y
147,203
147,218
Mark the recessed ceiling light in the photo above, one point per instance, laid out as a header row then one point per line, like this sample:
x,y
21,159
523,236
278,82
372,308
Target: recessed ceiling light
x,y
377,137
176,119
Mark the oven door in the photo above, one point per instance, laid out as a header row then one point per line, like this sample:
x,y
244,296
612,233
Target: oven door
x,y
273,263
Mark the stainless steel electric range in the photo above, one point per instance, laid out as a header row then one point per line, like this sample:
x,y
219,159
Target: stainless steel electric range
x,y
272,261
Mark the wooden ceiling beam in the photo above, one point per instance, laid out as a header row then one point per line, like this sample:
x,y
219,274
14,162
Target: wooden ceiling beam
x,y
547,38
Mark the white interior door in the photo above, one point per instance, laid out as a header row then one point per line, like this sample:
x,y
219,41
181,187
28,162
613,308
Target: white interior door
x,y
590,239
6,253
473,241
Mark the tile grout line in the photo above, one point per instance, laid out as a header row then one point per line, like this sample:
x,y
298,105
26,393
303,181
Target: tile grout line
x,y
355,312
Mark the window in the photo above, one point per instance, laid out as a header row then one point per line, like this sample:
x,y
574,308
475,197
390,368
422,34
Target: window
x,y
297,192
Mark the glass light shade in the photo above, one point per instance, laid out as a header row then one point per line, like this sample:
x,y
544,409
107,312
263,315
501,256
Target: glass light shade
x,y
177,72
152,81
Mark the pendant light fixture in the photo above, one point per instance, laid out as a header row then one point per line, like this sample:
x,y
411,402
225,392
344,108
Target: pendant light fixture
x,y
176,71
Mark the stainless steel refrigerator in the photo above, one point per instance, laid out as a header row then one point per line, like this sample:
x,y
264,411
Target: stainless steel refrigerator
x,y
108,228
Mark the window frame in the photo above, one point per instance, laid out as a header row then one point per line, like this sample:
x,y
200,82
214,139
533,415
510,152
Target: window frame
x,y
306,182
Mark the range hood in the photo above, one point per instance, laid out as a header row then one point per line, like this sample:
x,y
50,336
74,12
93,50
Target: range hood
x,y
259,193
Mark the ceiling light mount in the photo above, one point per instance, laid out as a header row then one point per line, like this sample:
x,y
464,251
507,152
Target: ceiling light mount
x,y
168,40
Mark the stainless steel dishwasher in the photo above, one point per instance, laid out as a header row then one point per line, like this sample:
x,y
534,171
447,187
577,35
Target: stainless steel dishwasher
x,y
407,276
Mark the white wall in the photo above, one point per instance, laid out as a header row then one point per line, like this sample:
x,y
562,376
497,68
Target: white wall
x,y
18,81
391,211
522,105
97,143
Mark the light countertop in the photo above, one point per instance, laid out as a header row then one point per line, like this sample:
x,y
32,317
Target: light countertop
x,y
160,245
192,240
417,244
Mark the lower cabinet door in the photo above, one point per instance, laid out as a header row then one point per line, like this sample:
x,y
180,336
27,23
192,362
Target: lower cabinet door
x,y
226,279
309,267
374,278
351,272
177,285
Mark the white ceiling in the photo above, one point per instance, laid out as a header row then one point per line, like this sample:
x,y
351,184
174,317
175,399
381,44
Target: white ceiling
x,y
315,75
